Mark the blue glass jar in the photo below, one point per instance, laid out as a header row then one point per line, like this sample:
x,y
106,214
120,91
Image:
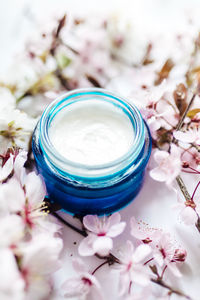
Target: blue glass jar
x,y
81,189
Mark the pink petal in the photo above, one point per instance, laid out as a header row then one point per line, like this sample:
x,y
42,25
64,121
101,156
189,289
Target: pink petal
x,y
102,245
19,164
86,246
158,258
140,276
35,188
159,156
158,174
188,216
93,280
186,137
91,223
175,271
116,229
135,231
75,288
129,248
95,290
79,265
96,294
141,252
124,284
13,195
114,219
175,151
6,169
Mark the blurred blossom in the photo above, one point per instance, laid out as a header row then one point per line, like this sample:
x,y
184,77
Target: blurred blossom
x,y
39,261
131,268
11,281
84,286
169,165
192,135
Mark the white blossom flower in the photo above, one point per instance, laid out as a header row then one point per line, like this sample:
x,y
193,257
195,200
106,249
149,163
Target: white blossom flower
x,y
11,282
192,135
165,254
83,286
101,232
25,198
169,165
142,232
39,259
132,267
11,230
13,161
164,250
188,210
15,127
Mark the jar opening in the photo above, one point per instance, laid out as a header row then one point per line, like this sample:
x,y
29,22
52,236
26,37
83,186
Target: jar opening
x,y
106,101
91,132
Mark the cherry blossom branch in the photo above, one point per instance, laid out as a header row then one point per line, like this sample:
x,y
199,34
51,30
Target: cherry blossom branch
x,y
180,123
183,188
101,265
110,259
195,190
160,282
179,180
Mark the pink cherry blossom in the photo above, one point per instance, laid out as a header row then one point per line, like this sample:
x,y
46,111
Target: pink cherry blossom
x,y
166,254
11,282
85,285
169,165
11,230
25,199
101,232
12,161
164,250
192,135
6,169
188,210
132,267
39,259
191,158
144,233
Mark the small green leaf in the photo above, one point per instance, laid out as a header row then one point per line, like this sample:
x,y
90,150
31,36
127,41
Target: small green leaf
x,y
10,124
63,61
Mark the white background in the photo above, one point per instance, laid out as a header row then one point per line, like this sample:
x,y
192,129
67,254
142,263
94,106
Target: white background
x,y
154,204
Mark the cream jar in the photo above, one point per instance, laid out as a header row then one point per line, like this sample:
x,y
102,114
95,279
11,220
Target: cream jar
x,y
91,147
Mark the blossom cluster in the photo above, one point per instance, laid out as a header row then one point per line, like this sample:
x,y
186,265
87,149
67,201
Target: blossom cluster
x,y
30,243
138,263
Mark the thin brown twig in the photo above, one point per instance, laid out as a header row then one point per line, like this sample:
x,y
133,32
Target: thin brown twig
x,y
82,232
180,123
160,282
101,265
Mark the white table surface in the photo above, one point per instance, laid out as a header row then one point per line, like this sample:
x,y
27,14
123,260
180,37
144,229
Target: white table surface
x,y
155,201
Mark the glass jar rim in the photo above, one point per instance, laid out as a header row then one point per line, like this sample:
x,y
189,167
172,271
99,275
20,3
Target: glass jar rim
x,y
84,170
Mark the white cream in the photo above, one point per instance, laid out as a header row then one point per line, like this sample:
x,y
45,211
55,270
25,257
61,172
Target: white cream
x,y
91,132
